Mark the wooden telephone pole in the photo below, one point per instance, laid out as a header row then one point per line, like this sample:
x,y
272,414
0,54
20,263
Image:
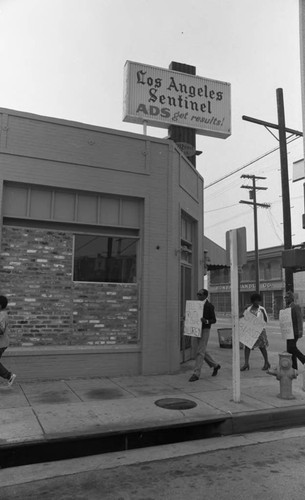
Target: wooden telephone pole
x,y
283,130
254,203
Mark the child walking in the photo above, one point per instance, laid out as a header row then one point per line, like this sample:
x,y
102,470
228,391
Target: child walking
x,y
4,340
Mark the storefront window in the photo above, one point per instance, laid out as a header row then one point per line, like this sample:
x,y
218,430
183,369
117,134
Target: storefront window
x,y
267,302
221,301
104,259
267,271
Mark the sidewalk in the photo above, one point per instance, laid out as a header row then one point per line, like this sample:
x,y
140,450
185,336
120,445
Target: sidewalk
x,y
33,413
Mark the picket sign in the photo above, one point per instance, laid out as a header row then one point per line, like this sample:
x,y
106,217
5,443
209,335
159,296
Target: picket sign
x,y
193,315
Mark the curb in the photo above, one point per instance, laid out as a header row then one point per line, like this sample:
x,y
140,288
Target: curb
x,y
72,445
263,420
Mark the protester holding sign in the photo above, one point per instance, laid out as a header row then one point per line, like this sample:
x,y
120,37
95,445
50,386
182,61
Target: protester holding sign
x,y
291,324
253,332
192,318
208,318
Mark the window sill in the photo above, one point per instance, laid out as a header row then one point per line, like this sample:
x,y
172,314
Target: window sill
x,y
69,350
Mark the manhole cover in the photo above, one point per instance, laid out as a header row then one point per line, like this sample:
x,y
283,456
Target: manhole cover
x,y
175,404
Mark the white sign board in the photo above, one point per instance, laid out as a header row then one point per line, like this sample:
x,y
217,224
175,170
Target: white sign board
x,y
298,170
193,315
163,97
251,327
286,324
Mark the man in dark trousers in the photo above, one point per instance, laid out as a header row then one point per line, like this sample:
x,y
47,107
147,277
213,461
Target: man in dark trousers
x,y
4,340
208,319
297,326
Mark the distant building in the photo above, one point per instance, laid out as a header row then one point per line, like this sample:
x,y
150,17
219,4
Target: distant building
x,y
272,284
214,255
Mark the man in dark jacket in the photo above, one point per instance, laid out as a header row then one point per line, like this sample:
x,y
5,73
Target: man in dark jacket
x,y
297,325
208,318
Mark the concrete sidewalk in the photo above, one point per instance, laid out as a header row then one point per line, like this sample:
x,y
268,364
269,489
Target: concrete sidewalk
x,y
42,412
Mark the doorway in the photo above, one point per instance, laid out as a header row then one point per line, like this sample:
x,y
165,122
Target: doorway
x,y
187,246
186,294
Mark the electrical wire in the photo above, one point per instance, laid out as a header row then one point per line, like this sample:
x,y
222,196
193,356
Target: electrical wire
x,y
269,166
248,164
222,221
273,202
272,222
221,208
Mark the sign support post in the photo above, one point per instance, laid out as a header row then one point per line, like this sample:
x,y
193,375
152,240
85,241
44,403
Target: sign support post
x,y
235,315
144,127
184,134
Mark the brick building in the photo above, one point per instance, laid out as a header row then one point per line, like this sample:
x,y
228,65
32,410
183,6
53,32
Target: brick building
x,y
101,244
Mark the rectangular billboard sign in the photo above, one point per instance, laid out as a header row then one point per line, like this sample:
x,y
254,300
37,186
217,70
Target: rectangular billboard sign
x,y
298,170
163,97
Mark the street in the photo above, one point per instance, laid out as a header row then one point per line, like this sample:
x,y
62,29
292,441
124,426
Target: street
x,y
270,469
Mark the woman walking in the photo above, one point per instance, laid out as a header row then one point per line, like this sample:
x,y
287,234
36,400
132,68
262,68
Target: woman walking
x,y
4,340
262,341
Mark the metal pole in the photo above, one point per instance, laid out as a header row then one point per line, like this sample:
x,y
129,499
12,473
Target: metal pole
x,y
144,127
285,184
235,316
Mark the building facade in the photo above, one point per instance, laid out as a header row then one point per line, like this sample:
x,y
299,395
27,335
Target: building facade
x,y
100,246
272,284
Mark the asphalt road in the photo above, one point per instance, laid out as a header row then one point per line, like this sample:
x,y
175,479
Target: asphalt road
x,y
264,470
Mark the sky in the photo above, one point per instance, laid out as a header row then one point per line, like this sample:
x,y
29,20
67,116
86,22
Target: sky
x,y
65,59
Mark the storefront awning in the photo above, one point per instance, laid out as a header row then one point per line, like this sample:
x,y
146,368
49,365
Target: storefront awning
x,y
215,255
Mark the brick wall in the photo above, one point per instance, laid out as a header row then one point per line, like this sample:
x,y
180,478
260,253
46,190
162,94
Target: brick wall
x,y
47,308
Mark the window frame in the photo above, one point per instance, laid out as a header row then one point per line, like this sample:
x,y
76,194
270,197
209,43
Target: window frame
x,y
109,235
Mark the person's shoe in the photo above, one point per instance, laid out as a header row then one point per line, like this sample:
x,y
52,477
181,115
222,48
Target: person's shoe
x,y
266,366
215,371
193,378
11,380
245,367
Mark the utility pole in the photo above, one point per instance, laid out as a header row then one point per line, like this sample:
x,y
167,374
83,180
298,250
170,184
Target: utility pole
x,y
252,195
283,130
285,186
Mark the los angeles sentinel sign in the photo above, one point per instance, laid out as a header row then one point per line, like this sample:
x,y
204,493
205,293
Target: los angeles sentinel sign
x,y
164,97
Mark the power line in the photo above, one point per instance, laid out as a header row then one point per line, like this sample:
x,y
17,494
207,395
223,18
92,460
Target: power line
x,y
223,221
272,222
273,202
247,164
221,208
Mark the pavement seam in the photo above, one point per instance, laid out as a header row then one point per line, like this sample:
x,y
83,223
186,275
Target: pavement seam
x,y
121,387
38,420
29,403
72,390
255,399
